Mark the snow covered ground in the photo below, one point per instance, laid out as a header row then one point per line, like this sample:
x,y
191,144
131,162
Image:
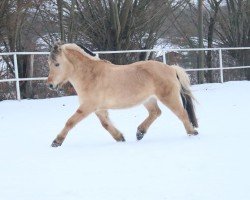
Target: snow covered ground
x,y
165,165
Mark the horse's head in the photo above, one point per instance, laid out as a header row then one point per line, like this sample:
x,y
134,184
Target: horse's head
x,y
63,60
59,67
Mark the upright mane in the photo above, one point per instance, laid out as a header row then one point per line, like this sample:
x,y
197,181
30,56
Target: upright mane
x,y
56,50
86,50
77,48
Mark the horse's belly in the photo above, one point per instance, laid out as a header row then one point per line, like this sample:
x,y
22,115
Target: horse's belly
x,y
127,93
125,101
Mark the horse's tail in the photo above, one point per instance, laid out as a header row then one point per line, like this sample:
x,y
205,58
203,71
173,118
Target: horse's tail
x,y
186,94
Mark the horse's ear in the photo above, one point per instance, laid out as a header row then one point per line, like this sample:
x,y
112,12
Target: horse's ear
x,y
57,47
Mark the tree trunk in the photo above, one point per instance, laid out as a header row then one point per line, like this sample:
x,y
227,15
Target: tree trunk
x,y
210,35
200,36
71,32
247,52
60,17
26,70
30,72
208,74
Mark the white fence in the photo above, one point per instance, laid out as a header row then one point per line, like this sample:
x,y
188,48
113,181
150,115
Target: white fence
x,y
161,51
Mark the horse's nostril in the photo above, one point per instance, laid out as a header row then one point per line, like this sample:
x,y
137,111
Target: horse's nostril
x,y
51,86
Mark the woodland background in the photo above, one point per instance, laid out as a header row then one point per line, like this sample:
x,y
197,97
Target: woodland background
x,y
122,25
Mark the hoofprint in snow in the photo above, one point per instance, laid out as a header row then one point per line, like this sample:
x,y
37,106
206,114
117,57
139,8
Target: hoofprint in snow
x,y
166,164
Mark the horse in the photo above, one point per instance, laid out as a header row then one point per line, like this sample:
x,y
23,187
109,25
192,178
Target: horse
x,y
101,85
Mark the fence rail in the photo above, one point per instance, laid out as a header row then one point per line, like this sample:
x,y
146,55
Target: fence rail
x,y
161,51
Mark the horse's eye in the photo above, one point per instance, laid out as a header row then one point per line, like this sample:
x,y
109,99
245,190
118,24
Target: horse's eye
x,y
57,64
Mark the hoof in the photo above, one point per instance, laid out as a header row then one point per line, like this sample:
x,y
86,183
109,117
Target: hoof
x,y
140,135
121,139
193,133
56,144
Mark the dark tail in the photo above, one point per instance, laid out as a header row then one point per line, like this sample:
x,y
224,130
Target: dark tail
x,y
189,107
186,95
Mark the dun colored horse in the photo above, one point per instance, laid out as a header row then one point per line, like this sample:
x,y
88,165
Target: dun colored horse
x,y
101,85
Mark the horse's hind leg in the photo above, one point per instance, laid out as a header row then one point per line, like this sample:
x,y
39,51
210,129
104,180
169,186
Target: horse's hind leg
x,y
173,102
154,112
107,124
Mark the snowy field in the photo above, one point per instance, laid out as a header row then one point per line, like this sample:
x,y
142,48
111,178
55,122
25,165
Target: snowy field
x,y
165,165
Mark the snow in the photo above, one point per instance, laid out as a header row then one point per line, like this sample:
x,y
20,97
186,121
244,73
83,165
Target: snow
x,y
165,165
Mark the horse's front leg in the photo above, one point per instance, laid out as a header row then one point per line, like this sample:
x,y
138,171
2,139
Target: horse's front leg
x,y
81,113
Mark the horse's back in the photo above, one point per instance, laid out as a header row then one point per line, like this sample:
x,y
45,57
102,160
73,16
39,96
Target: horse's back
x,y
128,85
158,71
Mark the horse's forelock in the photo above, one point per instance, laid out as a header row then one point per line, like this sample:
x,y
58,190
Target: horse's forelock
x,y
55,51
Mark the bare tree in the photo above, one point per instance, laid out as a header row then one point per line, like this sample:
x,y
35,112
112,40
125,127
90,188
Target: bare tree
x,y
213,13
226,23
234,29
123,24
60,16
201,40
14,37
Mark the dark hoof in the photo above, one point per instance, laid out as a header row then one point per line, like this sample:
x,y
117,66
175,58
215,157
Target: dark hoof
x,y
56,144
121,139
194,133
139,135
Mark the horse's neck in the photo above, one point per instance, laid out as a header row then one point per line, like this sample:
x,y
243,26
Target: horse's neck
x,y
84,74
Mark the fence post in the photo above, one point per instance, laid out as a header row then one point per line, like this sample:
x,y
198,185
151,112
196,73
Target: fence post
x,y
221,66
17,78
164,57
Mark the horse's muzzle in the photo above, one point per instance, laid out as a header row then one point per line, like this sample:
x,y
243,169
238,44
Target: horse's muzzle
x,y
52,86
